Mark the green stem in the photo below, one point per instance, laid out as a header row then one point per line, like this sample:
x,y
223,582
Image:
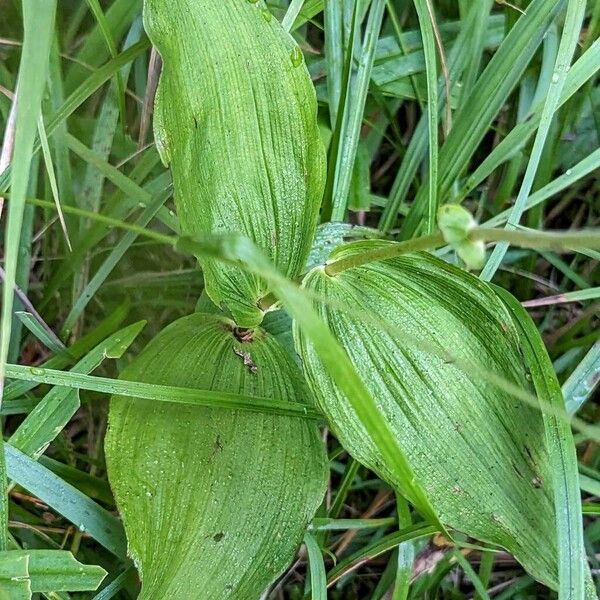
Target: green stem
x,y
540,240
427,242
558,241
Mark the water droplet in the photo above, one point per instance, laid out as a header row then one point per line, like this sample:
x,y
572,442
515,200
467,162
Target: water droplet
x,y
266,13
568,171
172,213
555,78
142,204
82,527
37,371
296,57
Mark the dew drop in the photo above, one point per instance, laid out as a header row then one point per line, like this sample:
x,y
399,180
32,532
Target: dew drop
x,y
555,78
568,171
296,57
82,528
37,371
266,13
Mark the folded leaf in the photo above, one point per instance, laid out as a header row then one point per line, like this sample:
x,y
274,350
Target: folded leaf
x,y
235,117
215,502
410,325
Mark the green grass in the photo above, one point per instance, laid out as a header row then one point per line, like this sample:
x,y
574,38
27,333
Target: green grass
x,y
92,241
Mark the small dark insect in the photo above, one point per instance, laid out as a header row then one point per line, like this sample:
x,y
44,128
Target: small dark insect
x,y
248,362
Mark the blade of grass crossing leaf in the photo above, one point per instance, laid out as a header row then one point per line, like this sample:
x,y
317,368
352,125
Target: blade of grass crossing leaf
x,y
241,251
583,381
425,14
38,21
160,393
75,506
353,110
563,456
568,44
318,577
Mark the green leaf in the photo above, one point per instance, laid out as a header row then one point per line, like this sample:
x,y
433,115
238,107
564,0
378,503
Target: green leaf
x,y
479,453
235,117
231,491
236,249
56,571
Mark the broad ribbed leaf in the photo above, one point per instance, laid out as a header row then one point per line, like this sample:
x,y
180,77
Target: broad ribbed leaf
x,y
409,326
215,502
235,117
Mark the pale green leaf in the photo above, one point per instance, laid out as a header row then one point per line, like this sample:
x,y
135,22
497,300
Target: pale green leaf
x,y
479,453
235,117
233,491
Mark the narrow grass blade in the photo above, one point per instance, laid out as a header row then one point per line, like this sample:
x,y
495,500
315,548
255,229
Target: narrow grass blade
x,y
354,106
487,97
583,381
104,28
425,13
568,44
160,393
378,547
292,14
112,259
44,335
81,94
38,20
55,410
318,577
67,501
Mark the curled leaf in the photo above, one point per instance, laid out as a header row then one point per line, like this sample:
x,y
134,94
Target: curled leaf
x,y
409,326
215,502
235,117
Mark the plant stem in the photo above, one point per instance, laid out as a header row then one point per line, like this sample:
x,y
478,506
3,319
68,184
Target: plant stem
x,y
559,241
427,242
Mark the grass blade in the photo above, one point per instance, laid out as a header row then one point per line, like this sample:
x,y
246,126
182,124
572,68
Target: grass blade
x,y
568,44
425,12
318,577
38,20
